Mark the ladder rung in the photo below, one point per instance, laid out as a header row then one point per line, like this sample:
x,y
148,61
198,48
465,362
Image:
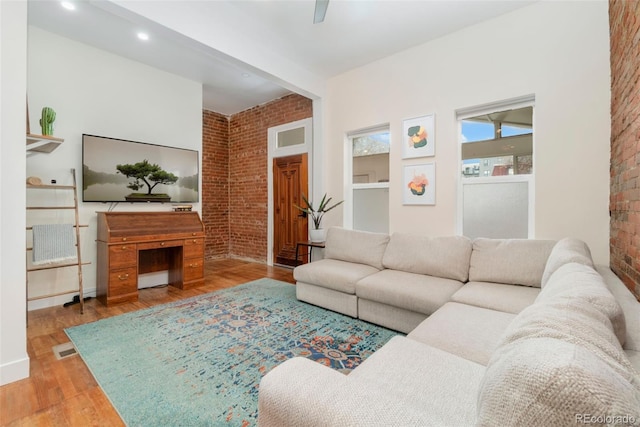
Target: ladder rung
x,y
31,208
57,294
30,249
49,267
74,226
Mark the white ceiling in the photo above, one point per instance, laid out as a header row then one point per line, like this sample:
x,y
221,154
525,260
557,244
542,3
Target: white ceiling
x,y
354,33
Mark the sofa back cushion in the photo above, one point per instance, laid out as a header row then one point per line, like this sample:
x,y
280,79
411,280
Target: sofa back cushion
x,y
550,382
557,360
446,257
361,247
565,251
509,261
580,282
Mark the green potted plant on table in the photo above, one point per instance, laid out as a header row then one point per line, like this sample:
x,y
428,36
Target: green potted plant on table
x,y
317,234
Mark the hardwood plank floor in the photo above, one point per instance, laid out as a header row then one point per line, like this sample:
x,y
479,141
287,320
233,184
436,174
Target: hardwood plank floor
x,y
63,392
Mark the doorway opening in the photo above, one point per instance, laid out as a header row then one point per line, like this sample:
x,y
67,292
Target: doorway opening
x,y
290,225
289,176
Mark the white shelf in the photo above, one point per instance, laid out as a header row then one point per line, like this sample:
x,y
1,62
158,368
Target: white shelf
x,y
42,143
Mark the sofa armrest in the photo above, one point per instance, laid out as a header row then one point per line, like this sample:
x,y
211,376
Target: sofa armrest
x,y
301,392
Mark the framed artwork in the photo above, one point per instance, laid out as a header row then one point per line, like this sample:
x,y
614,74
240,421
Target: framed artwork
x,y
419,184
419,137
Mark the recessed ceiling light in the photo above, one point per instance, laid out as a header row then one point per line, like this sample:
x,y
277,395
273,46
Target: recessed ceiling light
x,y
246,75
143,36
68,5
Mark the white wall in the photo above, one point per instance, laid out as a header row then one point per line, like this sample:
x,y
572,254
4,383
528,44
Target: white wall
x,y
14,360
558,51
96,92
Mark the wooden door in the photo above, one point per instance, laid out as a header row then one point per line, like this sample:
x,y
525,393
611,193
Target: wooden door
x,y
290,225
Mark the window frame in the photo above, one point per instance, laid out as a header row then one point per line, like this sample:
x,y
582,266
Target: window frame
x,y
465,113
349,185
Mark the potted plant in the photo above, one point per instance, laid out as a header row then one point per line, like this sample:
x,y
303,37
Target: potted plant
x,y
317,234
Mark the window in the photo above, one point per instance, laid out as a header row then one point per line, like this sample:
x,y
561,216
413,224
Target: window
x,y
291,137
368,180
496,147
501,143
370,156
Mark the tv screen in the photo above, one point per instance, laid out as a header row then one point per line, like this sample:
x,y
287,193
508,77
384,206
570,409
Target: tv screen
x,y
117,170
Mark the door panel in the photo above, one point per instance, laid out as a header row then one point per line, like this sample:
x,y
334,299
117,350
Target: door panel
x,y
290,226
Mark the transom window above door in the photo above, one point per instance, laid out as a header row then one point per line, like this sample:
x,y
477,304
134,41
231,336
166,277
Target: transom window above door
x,y
289,137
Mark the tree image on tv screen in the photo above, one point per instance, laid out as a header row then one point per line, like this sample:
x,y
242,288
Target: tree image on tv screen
x,y
147,175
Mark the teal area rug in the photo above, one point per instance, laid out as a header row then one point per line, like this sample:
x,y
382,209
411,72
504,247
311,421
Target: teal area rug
x,y
199,361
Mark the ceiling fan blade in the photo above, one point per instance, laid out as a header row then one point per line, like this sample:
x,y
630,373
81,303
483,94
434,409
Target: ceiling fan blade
x,y
321,11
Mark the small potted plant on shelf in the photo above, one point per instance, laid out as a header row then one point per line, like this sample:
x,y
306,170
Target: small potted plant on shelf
x,y
317,234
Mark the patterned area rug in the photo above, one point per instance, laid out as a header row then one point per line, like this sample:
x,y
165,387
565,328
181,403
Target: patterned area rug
x,y
199,361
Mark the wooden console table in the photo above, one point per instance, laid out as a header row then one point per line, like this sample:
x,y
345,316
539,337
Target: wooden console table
x,y
132,243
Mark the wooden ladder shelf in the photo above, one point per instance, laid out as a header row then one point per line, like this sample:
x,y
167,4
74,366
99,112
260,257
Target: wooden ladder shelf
x,y
78,263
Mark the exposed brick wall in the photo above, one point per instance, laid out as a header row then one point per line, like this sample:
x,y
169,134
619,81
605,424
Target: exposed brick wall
x,y
624,23
215,184
248,152
234,176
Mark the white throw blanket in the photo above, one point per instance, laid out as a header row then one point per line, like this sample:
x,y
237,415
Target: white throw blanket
x,y
53,243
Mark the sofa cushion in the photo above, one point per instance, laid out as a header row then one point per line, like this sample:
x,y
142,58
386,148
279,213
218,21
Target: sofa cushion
x,y
389,316
550,382
577,281
327,298
557,359
565,251
496,296
414,292
573,320
443,387
630,308
470,332
436,256
510,261
361,247
333,274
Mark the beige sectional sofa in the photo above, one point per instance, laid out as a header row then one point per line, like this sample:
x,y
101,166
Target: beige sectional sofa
x,y
499,332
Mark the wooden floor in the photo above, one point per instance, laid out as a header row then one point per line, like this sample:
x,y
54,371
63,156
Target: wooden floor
x,y
63,392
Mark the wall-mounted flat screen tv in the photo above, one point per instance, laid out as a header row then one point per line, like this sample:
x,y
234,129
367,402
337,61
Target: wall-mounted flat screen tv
x,y
117,170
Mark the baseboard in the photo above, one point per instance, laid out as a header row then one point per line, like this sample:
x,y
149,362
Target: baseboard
x,y
14,371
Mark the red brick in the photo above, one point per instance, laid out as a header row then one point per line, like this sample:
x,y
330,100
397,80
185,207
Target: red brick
x,y
624,28
234,163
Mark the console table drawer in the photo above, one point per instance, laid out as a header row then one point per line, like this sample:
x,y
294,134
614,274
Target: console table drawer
x,y
122,256
193,269
160,244
193,248
123,281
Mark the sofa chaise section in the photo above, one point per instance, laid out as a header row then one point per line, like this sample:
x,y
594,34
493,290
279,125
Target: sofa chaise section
x,y
395,386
